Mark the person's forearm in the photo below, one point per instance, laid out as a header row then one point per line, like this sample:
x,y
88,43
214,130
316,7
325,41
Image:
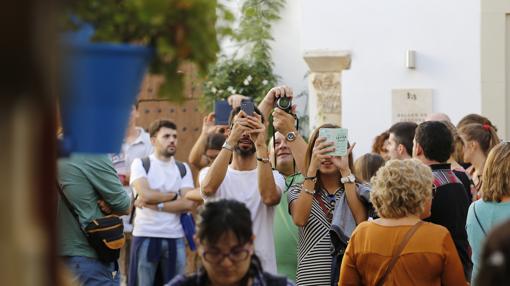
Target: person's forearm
x,y
302,206
298,148
177,206
358,210
216,172
267,187
149,195
265,108
155,197
194,195
198,150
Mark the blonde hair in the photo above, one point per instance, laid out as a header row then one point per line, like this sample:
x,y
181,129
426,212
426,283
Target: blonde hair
x,y
401,188
496,174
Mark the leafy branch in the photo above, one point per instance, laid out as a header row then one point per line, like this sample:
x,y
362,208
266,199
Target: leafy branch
x,y
249,71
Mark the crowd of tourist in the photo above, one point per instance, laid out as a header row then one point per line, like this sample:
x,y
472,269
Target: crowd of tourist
x,y
430,205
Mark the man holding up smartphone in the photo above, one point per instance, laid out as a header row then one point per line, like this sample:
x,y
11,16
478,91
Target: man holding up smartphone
x,y
248,178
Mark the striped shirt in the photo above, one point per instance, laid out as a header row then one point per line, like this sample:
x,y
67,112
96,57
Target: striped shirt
x,y
314,243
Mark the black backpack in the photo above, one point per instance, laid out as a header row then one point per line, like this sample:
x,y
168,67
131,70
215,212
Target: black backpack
x,y
146,163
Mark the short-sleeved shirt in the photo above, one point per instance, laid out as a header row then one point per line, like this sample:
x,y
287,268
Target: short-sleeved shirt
x,y
429,258
243,186
489,214
165,177
286,233
85,179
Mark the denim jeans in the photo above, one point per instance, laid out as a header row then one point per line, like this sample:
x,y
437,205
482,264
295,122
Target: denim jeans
x,y
91,272
146,270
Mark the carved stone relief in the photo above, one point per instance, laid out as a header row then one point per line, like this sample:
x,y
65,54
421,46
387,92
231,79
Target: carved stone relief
x,y
325,87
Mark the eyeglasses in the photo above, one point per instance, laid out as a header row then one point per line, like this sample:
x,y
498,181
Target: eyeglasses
x,y
235,255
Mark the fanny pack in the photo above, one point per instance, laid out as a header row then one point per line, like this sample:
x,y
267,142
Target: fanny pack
x,y
105,234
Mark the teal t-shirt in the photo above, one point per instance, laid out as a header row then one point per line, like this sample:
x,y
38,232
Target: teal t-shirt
x,y
82,177
490,214
286,233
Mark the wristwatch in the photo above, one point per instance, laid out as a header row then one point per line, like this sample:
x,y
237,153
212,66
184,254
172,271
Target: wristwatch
x,y
291,136
227,146
348,179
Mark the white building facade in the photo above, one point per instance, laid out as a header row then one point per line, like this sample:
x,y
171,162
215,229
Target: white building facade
x,y
461,54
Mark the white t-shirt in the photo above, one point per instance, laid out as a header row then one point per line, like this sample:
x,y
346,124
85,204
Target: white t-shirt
x,y
164,177
243,186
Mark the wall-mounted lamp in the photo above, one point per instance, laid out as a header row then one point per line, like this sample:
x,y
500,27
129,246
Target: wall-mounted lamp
x,y
411,59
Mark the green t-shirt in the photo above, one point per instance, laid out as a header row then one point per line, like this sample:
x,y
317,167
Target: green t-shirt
x,y
286,233
82,177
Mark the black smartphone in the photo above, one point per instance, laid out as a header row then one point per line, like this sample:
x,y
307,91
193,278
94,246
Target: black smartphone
x,y
221,112
247,107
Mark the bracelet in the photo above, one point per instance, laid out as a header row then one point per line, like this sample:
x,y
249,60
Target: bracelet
x,y
263,160
312,178
309,192
160,206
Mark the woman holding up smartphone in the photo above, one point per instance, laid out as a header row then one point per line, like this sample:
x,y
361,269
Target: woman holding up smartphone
x,y
328,179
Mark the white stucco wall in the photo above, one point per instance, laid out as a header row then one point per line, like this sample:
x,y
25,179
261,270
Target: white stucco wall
x,y
444,34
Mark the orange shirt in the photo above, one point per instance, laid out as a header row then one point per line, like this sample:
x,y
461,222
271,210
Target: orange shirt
x,y
429,258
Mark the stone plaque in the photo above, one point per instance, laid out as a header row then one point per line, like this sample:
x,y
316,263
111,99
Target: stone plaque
x,y
411,104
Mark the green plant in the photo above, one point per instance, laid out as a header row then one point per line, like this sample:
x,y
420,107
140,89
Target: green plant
x,y
249,71
179,31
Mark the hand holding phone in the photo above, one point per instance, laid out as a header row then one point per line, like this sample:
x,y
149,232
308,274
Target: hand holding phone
x,y
222,112
247,107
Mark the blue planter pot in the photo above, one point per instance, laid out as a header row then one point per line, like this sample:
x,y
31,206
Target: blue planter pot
x,y
99,84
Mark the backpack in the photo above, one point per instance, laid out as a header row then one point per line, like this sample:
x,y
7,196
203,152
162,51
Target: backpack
x,y
146,163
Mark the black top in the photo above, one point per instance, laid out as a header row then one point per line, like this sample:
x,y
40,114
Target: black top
x,y
466,182
450,205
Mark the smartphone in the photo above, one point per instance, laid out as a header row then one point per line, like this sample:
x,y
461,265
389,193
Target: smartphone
x,y
338,136
222,112
247,107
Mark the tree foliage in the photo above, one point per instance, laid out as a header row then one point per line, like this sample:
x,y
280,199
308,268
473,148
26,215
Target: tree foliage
x,y
249,71
179,31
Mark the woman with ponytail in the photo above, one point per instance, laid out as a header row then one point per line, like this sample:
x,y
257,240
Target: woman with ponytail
x,y
478,141
224,240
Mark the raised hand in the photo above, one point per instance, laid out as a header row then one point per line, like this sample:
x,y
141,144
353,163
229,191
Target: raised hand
x,y
319,154
240,126
258,131
342,162
235,100
283,122
276,92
